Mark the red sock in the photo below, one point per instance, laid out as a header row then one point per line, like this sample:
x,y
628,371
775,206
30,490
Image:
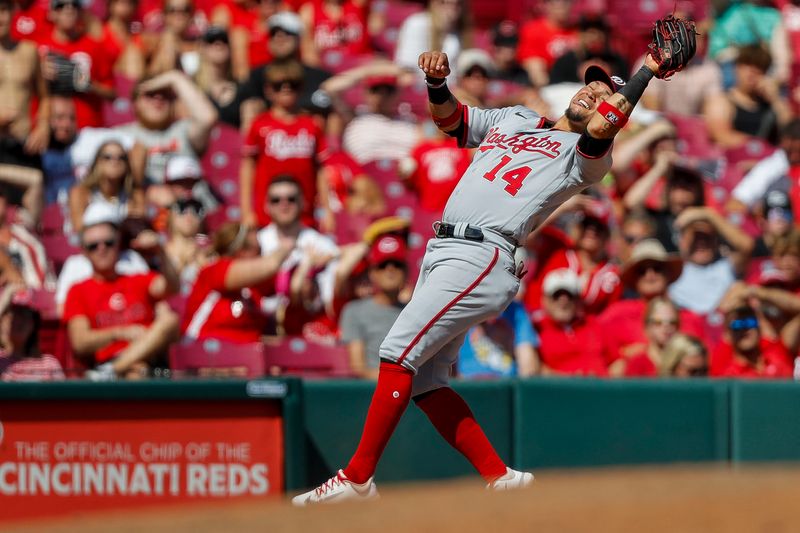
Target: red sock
x,y
392,394
453,419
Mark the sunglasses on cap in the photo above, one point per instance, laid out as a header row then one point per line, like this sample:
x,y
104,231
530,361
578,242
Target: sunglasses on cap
x,y
292,85
275,200
182,207
743,324
96,245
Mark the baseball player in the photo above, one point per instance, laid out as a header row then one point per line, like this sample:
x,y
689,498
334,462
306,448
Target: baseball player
x,y
524,167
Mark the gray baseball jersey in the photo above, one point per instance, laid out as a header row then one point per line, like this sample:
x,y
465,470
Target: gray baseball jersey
x,y
521,172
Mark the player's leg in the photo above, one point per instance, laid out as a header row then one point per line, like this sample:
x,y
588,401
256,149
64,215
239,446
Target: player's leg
x,y
450,414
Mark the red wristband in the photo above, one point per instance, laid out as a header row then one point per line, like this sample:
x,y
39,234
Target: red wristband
x,y
612,115
450,120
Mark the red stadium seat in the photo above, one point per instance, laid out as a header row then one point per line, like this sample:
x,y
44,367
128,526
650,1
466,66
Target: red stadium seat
x,y
58,249
223,155
350,228
694,140
296,356
217,357
52,219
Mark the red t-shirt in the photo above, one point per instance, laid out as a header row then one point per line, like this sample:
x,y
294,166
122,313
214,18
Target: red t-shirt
x,y
601,287
775,359
124,301
31,24
214,312
623,327
539,38
91,56
440,164
281,147
347,35
574,350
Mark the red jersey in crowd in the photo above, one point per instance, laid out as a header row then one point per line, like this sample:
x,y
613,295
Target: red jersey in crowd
x,y
347,35
342,170
440,163
123,301
601,286
639,365
539,38
575,349
31,23
293,147
214,312
92,57
623,327
244,17
774,362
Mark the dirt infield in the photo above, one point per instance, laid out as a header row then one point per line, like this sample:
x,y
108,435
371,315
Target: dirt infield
x,y
669,499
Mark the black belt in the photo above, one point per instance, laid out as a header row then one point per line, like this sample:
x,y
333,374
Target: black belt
x,y
471,233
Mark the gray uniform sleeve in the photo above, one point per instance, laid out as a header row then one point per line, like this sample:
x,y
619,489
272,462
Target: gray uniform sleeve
x,y
591,169
478,122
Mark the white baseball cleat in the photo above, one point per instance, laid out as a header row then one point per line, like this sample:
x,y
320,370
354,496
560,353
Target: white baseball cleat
x,y
337,489
513,479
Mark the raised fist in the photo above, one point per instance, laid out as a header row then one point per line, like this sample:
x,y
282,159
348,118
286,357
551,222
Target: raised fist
x,y
434,64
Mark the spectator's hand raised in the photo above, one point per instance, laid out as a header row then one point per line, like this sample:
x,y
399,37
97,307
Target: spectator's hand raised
x,y
146,242
38,139
164,80
692,214
434,64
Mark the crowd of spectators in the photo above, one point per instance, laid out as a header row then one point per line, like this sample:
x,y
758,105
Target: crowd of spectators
x,y
180,171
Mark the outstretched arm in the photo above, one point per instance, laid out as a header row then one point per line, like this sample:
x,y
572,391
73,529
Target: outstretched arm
x,y
446,110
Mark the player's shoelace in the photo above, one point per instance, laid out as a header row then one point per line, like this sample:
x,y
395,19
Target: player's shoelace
x,y
329,485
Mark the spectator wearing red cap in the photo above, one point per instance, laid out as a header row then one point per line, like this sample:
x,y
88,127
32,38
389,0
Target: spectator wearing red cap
x,y
226,300
647,274
745,352
446,25
282,141
20,356
569,342
68,48
337,27
545,39
587,258
364,323
120,321
376,133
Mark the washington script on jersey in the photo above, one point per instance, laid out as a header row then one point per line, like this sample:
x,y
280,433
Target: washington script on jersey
x,y
521,142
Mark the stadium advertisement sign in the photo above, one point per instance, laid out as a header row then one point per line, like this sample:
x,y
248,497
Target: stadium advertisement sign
x,y
65,456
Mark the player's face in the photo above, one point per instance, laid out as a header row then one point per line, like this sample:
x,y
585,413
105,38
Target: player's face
x,y
585,102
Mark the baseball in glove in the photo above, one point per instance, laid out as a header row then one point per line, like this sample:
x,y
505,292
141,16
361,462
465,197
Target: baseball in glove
x,y
674,45
70,78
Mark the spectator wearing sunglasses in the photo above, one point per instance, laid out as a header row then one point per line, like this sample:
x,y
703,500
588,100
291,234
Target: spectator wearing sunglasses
x,y
745,352
119,323
570,342
159,127
109,182
187,245
314,252
282,141
215,75
661,323
647,274
76,64
78,268
283,46
365,322
226,301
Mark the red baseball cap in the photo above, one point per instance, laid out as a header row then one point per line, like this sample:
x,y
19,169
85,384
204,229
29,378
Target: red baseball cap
x,y
387,248
376,80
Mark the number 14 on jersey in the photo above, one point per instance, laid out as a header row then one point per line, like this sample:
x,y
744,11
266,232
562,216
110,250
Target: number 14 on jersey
x,y
513,177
